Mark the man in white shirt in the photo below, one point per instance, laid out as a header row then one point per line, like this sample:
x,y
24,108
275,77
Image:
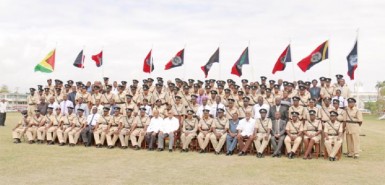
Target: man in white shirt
x,y
217,105
260,105
342,101
169,126
3,110
87,132
52,103
65,104
153,129
246,130
202,107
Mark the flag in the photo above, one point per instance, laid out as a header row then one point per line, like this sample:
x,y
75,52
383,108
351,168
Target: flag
x,y
98,58
176,61
318,55
213,59
148,65
352,61
243,59
79,61
47,65
280,65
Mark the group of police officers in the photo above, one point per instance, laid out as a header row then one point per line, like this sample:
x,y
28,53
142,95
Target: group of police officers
x,y
304,116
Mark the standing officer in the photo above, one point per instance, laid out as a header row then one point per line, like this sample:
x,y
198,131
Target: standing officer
x,y
333,135
294,129
353,119
31,101
263,128
219,127
189,130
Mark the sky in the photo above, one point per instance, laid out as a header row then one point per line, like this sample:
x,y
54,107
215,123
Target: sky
x,y
127,30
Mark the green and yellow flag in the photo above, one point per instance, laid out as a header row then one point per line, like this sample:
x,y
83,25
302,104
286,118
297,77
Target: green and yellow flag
x,y
47,65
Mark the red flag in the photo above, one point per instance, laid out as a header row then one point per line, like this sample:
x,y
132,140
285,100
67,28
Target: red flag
x,y
243,59
98,58
280,65
148,66
176,61
318,55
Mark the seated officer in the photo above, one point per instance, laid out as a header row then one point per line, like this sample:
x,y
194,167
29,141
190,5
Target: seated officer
x,y
189,130
333,135
126,123
219,127
263,128
139,128
101,127
205,130
312,133
21,127
294,130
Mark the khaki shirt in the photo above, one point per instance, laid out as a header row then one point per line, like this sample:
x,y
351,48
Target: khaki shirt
x,y
141,122
130,105
294,128
95,97
313,127
106,98
206,124
231,111
120,98
56,120
221,124
333,127
79,121
68,119
24,122
263,126
32,100
306,115
298,109
352,114
327,92
36,120
190,125
104,120
304,99
178,110
161,96
325,113
243,110
127,121
114,121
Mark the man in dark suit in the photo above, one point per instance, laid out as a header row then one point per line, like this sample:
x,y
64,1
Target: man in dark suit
x,y
72,95
277,134
278,108
315,91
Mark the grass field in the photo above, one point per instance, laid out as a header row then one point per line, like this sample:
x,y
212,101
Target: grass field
x,y
43,164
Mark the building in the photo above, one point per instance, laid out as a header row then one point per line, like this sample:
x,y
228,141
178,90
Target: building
x,y
16,101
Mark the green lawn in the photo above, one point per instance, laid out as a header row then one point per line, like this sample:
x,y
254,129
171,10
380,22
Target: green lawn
x,y
43,164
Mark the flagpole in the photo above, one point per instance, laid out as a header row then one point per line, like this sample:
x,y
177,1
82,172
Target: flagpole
x,y
83,57
252,66
102,63
151,62
219,45
330,65
184,59
292,63
357,34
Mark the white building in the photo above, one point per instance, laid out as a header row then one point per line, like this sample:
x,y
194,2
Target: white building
x,y
16,101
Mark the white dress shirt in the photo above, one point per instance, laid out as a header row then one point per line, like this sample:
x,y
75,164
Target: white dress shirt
x,y
3,107
64,106
155,124
199,112
246,127
169,125
92,118
343,102
215,106
258,107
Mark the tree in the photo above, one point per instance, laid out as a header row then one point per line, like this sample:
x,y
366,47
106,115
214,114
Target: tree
x,y
4,89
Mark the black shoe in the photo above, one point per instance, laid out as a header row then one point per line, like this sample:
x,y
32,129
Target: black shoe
x,y
273,155
216,153
182,151
202,151
160,149
241,153
136,147
279,155
15,141
227,153
186,150
169,150
355,157
231,152
61,144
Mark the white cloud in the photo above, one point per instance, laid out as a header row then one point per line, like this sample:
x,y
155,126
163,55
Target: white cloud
x,y
126,30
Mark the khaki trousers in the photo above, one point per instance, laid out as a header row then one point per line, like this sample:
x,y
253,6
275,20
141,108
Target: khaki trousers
x,y
186,140
333,150
260,142
296,143
203,140
217,145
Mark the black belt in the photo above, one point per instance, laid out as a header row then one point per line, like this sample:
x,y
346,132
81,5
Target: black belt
x,y
139,127
333,134
205,129
114,126
120,103
32,104
352,122
295,133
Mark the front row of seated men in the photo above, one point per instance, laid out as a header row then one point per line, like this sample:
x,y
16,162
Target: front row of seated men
x,y
155,130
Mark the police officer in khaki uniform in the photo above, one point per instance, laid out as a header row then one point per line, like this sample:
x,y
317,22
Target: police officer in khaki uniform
x,y
296,108
205,130
33,125
353,119
189,130
245,108
139,126
65,126
129,104
21,127
113,128
312,133
79,122
53,126
263,128
126,124
333,135
294,129
101,127
32,101
219,128
43,127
